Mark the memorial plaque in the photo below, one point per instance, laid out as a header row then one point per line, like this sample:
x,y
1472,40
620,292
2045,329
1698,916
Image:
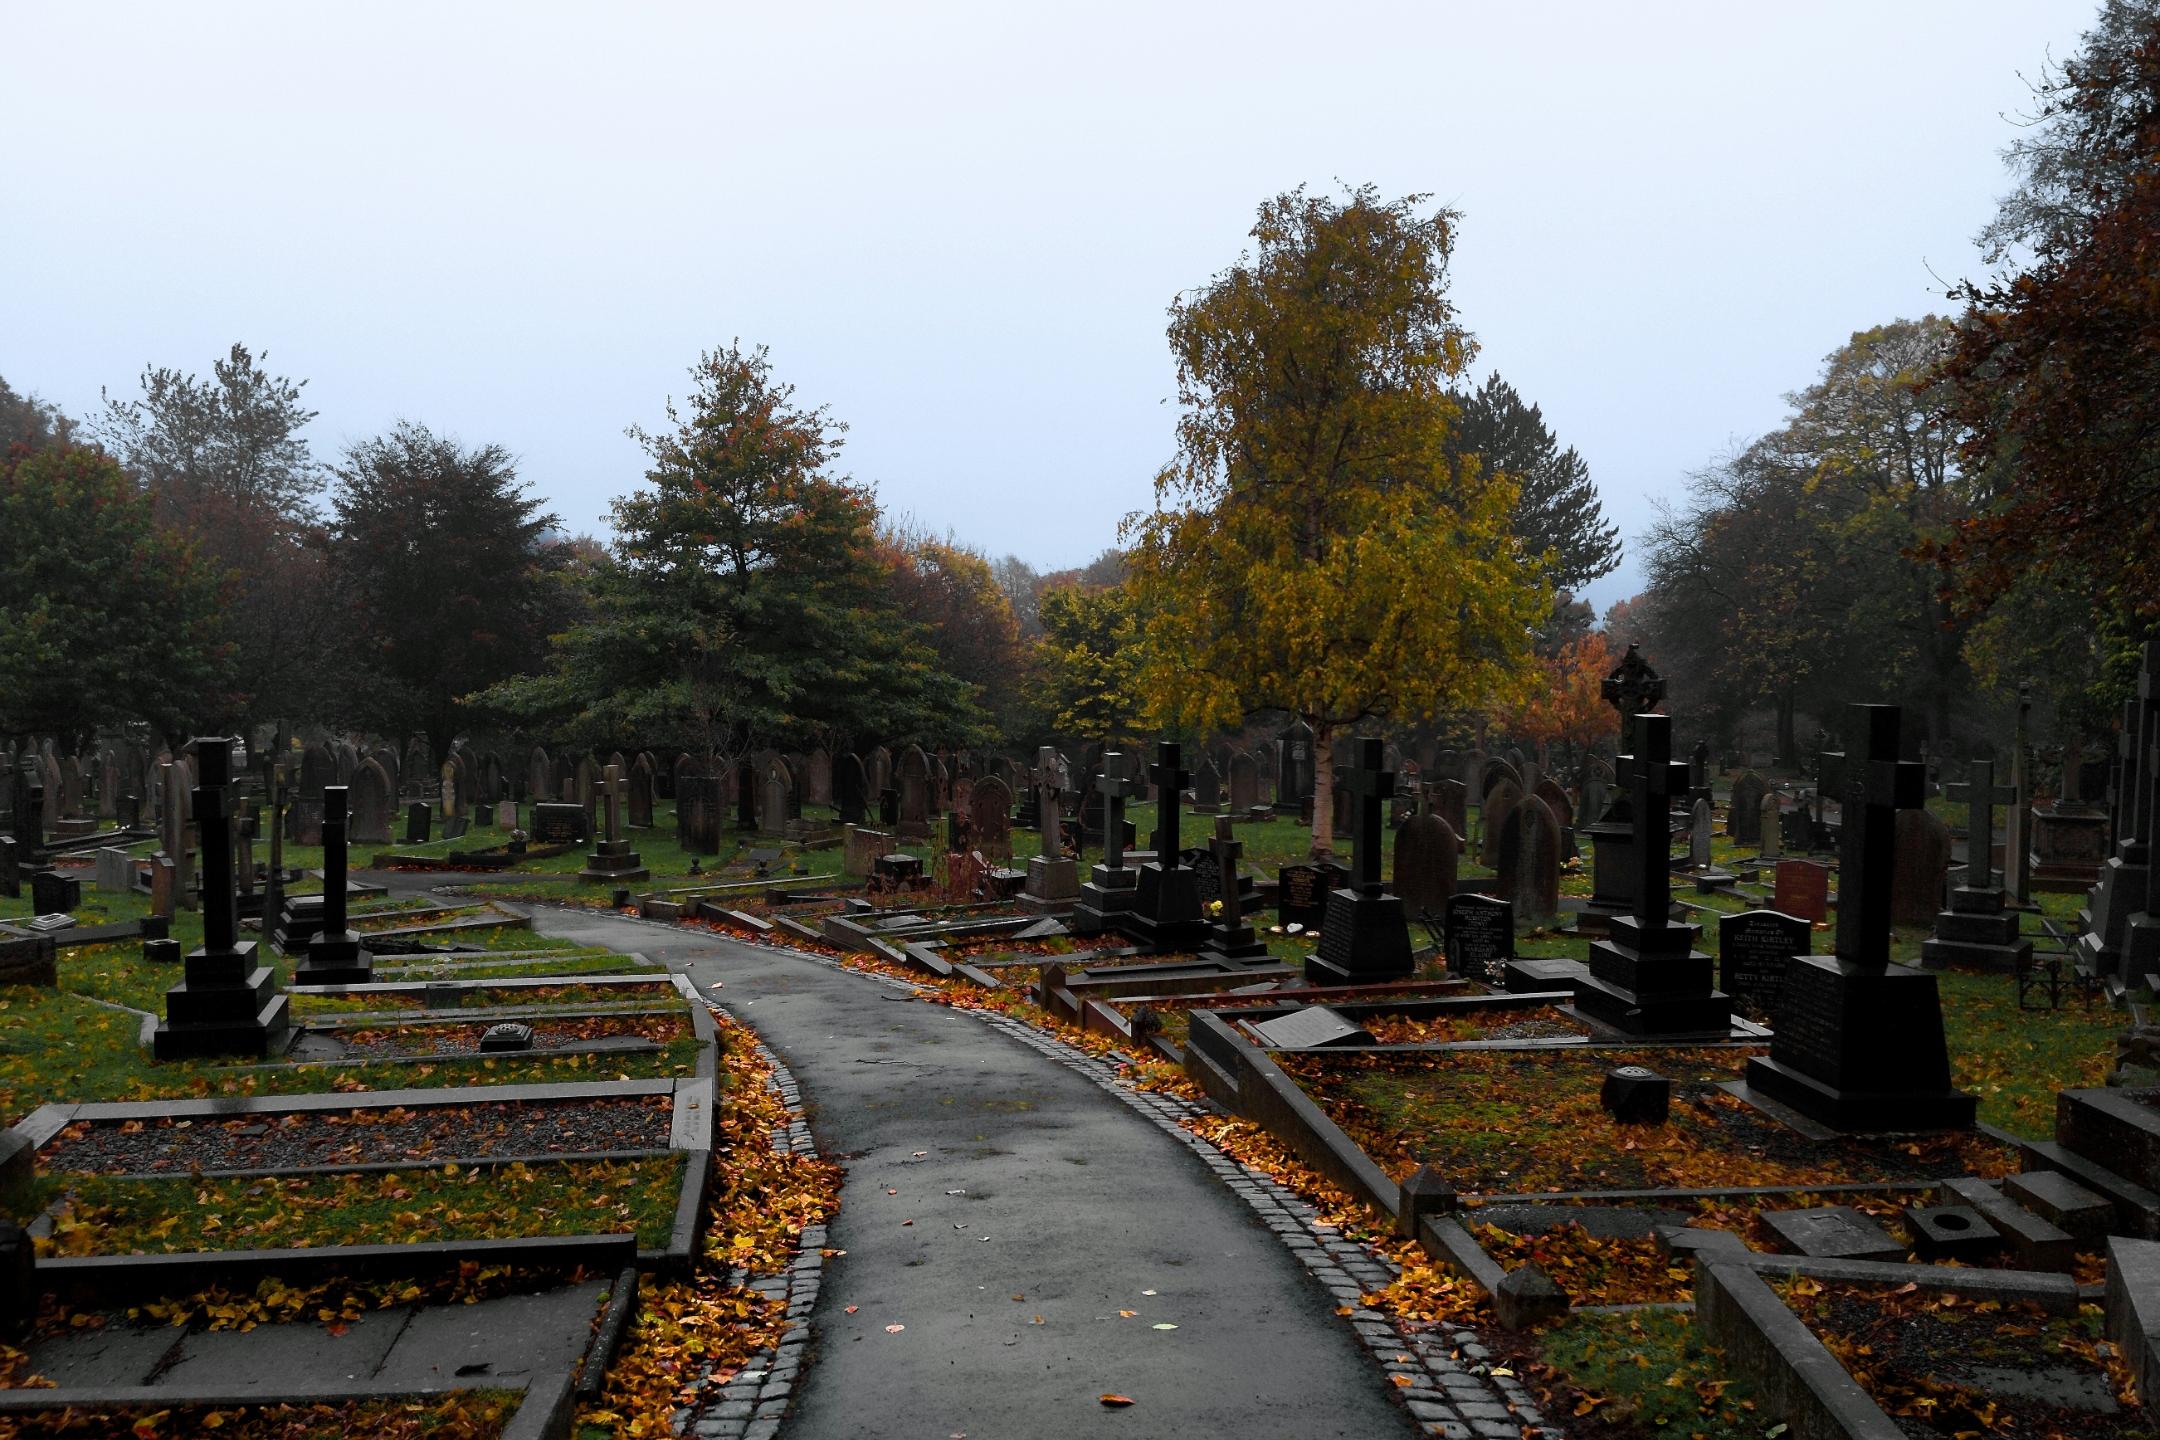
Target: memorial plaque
x,y
1833,1232
1754,951
1302,891
1313,1028
1803,890
559,824
1479,936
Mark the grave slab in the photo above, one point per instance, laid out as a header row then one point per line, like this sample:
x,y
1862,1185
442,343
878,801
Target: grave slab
x,y
1833,1232
516,1336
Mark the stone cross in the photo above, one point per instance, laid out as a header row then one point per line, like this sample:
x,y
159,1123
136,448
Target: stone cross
x,y
1049,812
1373,785
1115,785
1632,688
1170,780
1877,786
274,809
213,823
1654,782
614,785
1981,795
334,859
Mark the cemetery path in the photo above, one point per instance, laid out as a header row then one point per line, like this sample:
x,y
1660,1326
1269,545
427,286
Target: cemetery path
x,y
1007,1212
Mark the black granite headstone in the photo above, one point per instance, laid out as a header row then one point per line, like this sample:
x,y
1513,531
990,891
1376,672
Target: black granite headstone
x,y
1479,936
1755,949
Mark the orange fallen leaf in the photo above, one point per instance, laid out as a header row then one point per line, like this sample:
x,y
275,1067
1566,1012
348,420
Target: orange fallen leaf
x,y
1117,1402
853,1308
894,1329
1128,1314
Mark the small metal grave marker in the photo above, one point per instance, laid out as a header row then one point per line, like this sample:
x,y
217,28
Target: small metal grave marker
x,y
48,923
510,1035
1313,1028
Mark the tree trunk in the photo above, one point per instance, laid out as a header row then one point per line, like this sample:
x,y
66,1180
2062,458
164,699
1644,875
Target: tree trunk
x,y
1323,789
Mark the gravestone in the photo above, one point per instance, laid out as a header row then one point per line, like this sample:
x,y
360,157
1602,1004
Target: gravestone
x,y
52,893
584,780
1301,893
1451,802
1244,783
115,871
1769,827
818,777
539,775
1859,1043
417,819
1530,862
639,801
2017,861
914,787
1053,877
334,954
1295,768
611,860
1426,857
373,799
506,815
1755,948
1743,821
1699,835
1207,787
989,814
560,822
1976,930
1802,888
1504,796
453,791
1365,936
1556,800
1165,911
1230,939
179,831
1646,977
700,812
224,1004
774,784
1922,860
851,789
1111,884
1479,937
1632,689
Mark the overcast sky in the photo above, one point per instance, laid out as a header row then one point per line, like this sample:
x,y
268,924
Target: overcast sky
x,y
960,226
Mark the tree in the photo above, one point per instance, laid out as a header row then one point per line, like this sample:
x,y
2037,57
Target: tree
x,y
1087,663
748,600
234,437
1557,514
28,421
1314,547
2055,373
226,466
1566,706
952,591
438,550
109,618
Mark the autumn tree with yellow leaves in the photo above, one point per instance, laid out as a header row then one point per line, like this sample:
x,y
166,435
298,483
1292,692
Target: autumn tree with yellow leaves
x,y
1314,547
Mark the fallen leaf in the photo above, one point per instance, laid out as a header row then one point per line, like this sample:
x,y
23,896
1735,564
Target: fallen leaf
x,y
1128,1314
919,1154
853,1308
894,1329
1117,1402
1165,1326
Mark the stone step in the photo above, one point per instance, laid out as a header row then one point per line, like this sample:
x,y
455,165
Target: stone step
x,y
2062,1202
2038,1244
2137,1209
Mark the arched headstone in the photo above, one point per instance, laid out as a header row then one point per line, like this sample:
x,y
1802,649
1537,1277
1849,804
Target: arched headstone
x,y
1530,861
374,803
1426,857
1743,822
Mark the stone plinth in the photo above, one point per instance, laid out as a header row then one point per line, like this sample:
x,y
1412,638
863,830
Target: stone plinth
x,y
614,860
1052,884
1108,893
335,959
1365,940
1977,932
1861,1049
1166,911
1649,979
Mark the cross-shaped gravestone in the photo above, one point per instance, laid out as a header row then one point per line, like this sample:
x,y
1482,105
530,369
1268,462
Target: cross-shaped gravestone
x,y
614,790
1877,786
1655,780
1373,785
1228,850
334,859
1981,795
1632,688
1170,781
1829,778
1049,816
1114,785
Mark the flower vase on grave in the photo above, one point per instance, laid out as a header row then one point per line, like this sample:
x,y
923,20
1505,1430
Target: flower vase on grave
x,y
1859,1043
1977,930
1166,913
225,1004
1365,936
1111,884
1647,977
334,953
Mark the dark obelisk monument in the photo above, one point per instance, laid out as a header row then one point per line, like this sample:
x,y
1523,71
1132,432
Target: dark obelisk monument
x,y
225,1004
1859,1043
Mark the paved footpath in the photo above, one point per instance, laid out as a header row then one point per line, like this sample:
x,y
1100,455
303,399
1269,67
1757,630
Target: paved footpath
x,y
1005,1208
